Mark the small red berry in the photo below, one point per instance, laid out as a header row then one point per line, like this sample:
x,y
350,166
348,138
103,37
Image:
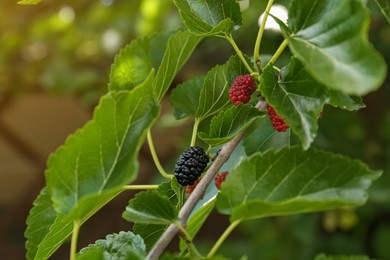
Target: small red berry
x,y
277,122
241,90
219,178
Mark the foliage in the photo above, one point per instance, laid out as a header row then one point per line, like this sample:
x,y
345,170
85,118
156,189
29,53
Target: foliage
x,y
332,63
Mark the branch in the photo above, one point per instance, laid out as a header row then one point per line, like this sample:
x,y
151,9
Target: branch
x,y
197,194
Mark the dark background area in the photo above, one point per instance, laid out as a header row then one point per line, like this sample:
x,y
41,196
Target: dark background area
x,y
55,59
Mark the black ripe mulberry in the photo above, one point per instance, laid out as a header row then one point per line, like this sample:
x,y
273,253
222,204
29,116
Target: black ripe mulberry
x,y
190,165
241,90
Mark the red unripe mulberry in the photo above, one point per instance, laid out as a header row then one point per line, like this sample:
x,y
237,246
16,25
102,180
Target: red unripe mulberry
x,y
277,122
241,90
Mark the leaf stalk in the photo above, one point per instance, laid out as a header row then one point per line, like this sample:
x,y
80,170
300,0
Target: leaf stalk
x,y
230,39
278,52
223,237
75,235
256,51
195,131
188,240
140,187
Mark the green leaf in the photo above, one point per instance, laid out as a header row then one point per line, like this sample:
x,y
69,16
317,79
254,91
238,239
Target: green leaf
x,y
165,189
41,217
124,245
384,5
185,97
229,123
297,98
170,256
179,191
341,257
135,61
149,207
262,136
29,2
150,233
330,38
90,204
214,95
343,101
292,181
58,232
209,17
180,47
101,157
47,231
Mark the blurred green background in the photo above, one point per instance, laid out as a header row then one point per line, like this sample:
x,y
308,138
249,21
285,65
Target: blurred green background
x,y
55,59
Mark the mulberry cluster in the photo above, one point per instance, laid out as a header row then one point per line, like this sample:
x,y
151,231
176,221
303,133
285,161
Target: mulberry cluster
x,y
277,122
190,165
219,178
241,90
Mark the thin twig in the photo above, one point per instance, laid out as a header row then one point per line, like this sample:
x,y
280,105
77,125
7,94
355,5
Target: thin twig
x,y
197,194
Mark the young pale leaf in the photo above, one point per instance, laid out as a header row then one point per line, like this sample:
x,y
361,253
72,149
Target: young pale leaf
x,y
297,98
209,17
149,207
262,136
343,101
185,97
102,155
180,47
330,38
229,123
134,62
124,245
197,220
292,181
29,2
384,5
41,217
214,95
95,253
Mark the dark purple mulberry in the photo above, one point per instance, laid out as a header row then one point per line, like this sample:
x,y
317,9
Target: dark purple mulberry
x,y
190,165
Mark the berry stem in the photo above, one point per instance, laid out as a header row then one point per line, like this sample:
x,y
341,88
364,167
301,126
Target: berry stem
x,y
140,187
75,235
223,237
256,52
155,157
195,131
188,240
230,39
278,52
186,235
